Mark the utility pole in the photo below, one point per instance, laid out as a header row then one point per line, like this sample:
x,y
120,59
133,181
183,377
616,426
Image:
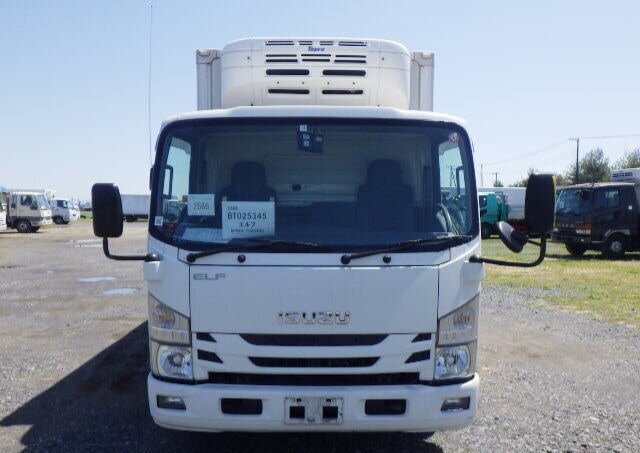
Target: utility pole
x,y
496,175
577,140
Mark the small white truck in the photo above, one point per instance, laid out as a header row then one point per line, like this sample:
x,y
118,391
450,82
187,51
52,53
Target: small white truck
x,y
63,211
28,211
314,252
135,207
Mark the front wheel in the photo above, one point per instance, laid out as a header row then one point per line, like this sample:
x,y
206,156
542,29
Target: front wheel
x,y
23,226
615,246
57,220
576,249
34,229
486,230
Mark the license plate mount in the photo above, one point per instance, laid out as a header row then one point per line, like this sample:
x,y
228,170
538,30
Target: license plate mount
x,y
313,410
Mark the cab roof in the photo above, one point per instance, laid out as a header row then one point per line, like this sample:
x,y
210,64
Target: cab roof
x,y
316,111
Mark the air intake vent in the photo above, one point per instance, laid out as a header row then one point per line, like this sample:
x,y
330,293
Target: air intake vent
x,y
279,43
344,72
305,43
288,91
352,43
285,72
313,340
289,362
342,91
326,43
209,356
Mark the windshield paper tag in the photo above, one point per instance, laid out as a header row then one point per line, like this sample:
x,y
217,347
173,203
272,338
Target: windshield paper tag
x,y
244,219
202,204
158,221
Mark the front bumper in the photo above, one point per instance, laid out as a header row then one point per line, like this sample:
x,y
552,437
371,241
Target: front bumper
x,y
42,222
574,238
203,409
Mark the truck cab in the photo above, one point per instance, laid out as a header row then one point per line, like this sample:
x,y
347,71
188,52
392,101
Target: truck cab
x,y
63,211
493,209
314,245
599,216
3,213
28,211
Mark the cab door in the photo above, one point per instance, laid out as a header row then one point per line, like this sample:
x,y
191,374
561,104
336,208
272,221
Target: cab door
x,y
608,213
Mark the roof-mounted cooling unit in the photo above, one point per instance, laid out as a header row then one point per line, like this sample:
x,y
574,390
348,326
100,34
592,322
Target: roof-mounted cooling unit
x,y
314,71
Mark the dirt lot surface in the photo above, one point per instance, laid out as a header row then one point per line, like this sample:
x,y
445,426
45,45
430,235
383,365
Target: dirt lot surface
x,y
73,363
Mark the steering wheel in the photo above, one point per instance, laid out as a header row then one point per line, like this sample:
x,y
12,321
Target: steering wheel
x,y
447,217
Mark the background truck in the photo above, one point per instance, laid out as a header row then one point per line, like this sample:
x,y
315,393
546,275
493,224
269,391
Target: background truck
x,y
3,210
314,244
135,207
600,216
493,209
63,211
28,211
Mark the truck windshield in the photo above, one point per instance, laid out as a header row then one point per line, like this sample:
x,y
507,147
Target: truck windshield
x,y
574,201
42,202
341,183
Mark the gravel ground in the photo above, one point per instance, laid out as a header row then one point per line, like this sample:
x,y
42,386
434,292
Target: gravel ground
x,y
74,361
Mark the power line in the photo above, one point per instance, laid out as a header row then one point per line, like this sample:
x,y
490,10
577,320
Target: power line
x,y
530,153
611,136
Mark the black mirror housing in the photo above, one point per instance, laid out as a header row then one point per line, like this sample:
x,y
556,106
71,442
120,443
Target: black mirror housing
x,y
107,210
539,203
512,238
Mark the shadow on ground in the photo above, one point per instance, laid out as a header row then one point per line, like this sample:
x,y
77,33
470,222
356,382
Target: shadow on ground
x,y
103,406
591,257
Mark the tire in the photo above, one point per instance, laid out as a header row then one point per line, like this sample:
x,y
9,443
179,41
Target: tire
x,y
34,229
130,218
57,220
65,222
23,226
615,246
575,249
486,230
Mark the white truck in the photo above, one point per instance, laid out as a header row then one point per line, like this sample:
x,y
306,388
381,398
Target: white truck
x,y
314,254
28,211
3,212
135,207
63,211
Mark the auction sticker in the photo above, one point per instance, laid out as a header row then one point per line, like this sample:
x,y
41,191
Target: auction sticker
x,y
244,219
201,204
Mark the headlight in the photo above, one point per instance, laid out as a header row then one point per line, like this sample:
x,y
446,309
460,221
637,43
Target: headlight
x,y
456,347
171,361
167,325
455,361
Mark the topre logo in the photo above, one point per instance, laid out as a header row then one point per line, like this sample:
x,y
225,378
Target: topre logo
x,y
315,49
314,317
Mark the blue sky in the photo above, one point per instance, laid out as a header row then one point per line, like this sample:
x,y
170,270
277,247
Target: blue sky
x,y
73,75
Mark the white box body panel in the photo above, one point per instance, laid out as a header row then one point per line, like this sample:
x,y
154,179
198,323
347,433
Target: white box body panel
x,y
136,205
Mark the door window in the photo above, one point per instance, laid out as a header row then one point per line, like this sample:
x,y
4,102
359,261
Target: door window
x,y
608,198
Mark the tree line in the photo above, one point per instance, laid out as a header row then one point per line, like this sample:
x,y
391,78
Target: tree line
x,y
593,167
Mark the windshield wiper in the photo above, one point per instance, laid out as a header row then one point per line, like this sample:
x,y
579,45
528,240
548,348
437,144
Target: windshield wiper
x,y
456,239
253,244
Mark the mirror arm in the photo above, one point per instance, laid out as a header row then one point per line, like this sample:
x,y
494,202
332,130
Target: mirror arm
x,y
148,257
543,250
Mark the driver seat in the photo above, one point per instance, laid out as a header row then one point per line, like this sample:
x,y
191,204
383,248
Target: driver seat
x,y
384,202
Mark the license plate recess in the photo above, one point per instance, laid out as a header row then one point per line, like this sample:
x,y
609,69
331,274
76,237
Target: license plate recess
x,y
313,410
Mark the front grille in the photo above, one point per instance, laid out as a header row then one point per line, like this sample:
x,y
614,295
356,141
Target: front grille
x,y
314,379
313,340
332,362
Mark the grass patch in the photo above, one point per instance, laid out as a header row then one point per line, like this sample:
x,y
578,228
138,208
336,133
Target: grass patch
x,y
606,288
86,216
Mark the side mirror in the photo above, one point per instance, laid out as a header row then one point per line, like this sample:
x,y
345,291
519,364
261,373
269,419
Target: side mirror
x,y
540,203
107,210
539,214
512,238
